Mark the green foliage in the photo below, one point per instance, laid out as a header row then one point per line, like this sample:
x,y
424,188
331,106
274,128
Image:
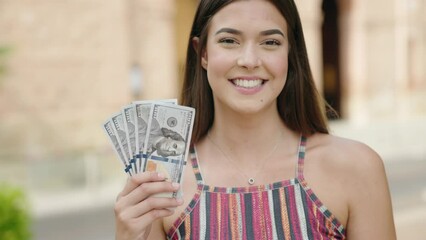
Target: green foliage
x,y
14,214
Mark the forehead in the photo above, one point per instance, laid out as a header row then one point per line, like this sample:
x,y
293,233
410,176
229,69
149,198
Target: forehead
x,y
178,142
251,14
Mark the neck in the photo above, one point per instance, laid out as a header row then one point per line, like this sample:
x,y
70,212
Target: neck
x,y
249,137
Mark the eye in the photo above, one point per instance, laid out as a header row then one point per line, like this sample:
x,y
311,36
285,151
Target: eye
x,y
227,41
174,145
272,42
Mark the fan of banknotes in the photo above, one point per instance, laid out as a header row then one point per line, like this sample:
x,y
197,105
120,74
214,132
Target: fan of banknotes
x,y
152,136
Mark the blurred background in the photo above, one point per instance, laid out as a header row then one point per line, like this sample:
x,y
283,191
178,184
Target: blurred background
x,y
66,66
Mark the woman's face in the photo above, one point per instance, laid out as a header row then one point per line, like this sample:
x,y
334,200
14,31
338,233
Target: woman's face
x,y
246,56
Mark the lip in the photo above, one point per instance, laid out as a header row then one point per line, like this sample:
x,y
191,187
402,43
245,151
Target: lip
x,y
247,78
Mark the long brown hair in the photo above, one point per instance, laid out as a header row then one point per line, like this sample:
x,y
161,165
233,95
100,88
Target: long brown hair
x,y
299,103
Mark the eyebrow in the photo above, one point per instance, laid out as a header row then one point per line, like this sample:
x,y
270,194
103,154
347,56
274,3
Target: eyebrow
x,y
271,32
229,30
237,32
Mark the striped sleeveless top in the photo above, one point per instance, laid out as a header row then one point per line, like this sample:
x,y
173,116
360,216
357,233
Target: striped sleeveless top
x,y
282,210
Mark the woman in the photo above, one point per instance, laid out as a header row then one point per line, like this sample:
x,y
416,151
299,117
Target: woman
x,y
263,165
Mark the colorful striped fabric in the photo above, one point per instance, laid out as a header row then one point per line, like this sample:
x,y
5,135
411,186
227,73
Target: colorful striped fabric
x,y
283,210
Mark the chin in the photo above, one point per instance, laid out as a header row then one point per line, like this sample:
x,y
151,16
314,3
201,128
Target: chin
x,y
248,110
253,107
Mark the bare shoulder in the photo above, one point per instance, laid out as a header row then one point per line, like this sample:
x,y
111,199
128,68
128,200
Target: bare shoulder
x,y
351,157
346,164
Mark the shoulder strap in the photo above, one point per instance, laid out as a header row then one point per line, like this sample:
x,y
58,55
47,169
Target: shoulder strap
x,y
194,163
301,157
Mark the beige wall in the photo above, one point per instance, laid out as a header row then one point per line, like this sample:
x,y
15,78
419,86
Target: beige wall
x,y
69,68
311,15
66,71
382,51
382,56
185,11
157,54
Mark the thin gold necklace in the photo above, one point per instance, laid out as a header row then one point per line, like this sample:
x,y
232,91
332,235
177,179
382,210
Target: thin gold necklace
x,y
250,180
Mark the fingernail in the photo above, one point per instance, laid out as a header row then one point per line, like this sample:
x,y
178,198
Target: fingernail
x,y
179,200
160,175
175,185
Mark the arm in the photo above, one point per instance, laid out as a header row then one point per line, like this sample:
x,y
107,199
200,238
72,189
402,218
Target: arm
x,y
370,207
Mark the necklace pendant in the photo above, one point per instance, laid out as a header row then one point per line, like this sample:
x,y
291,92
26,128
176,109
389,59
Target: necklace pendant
x,y
251,181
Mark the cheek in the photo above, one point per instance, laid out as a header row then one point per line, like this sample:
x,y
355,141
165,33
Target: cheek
x,y
277,64
180,151
219,62
279,67
216,73
217,68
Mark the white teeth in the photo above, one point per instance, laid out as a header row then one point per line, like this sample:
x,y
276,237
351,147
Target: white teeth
x,y
247,83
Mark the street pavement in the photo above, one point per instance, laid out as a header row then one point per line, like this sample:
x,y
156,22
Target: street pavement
x,y
407,182
91,224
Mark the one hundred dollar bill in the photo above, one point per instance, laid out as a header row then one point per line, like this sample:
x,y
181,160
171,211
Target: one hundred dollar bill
x,y
118,127
108,126
129,116
142,111
167,144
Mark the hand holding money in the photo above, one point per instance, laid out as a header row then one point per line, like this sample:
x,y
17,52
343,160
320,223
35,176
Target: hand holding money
x,y
152,136
136,208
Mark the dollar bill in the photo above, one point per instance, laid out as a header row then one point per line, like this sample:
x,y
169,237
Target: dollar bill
x,y
142,111
112,136
129,116
167,143
118,124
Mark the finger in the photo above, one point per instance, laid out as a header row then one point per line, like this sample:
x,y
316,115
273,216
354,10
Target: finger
x,y
145,190
150,204
142,222
153,215
138,179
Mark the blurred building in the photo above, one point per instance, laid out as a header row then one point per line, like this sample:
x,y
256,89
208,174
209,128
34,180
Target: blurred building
x,y
370,56
72,64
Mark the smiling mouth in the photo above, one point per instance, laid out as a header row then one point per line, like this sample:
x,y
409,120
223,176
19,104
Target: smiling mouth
x,y
244,83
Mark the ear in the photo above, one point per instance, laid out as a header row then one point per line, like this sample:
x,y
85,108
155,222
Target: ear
x,y
195,45
195,42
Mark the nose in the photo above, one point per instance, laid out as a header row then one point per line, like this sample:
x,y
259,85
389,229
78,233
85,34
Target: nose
x,y
171,147
249,58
